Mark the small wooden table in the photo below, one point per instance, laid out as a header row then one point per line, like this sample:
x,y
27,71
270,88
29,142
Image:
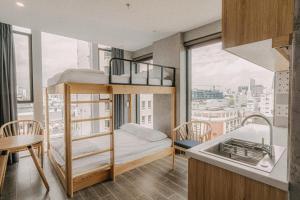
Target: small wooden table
x,y
19,143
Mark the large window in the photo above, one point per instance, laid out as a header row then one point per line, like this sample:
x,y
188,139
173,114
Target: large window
x,y
104,57
59,54
145,101
23,56
225,88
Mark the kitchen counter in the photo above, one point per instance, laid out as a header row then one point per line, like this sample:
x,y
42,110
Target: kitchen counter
x,y
254,133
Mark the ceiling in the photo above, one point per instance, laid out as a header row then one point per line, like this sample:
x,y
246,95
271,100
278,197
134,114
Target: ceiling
x,y
112,22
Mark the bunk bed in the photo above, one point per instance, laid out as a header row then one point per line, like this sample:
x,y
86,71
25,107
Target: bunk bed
x,y
83,159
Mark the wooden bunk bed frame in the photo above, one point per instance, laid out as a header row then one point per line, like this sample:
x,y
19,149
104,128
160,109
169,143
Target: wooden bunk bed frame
x,y
73,183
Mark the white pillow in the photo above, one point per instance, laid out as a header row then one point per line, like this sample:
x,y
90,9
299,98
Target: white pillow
x,y
143,132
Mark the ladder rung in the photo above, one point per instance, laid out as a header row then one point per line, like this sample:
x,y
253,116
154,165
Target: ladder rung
x,y
90,119
92,136
91,101
91,154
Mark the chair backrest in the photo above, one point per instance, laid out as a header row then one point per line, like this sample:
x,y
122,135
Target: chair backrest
x,y
21,127
195,130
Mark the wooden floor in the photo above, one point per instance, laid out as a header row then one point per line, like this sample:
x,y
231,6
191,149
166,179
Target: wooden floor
x,y
154,181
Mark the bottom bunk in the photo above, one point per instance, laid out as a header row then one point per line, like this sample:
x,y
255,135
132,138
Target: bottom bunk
x,y
132,147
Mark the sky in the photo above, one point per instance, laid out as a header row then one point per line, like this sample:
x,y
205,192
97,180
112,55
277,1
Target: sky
x,y
22,60
213,66
58,54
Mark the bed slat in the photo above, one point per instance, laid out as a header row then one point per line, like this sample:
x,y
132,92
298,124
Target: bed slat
x,y
92,101
91,154
92,136
90,119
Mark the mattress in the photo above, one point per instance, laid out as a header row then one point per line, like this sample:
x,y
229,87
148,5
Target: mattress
x,y
79,76
127,148
99,77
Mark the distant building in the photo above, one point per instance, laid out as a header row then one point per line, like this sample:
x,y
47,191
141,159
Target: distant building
x,y
258,90
146,110
21,93
241,100
252,84
266,103
198,94
223,120
243,89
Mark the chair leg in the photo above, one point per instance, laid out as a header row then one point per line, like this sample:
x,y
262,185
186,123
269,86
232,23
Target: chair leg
x,y
173,161
39,152
42,154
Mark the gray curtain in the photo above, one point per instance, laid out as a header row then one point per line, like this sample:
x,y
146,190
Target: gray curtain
x,y
8,93
118,69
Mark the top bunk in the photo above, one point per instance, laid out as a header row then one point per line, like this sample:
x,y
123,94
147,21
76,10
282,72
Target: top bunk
x,y
122,76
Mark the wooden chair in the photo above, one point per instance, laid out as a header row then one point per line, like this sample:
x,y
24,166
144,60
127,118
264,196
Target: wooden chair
x,y
3,164
14,132
190,134
23,127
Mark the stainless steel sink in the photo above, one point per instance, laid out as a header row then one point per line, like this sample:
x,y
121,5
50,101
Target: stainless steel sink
x,y
259,156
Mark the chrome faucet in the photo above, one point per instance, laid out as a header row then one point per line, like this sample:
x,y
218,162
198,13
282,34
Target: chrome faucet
x,y
269,149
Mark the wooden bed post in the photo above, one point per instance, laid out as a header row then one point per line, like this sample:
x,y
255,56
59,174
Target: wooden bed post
x,y
173,123
68,140
112,138
130,108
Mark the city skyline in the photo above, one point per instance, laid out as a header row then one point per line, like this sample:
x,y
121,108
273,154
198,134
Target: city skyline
x,y
231,70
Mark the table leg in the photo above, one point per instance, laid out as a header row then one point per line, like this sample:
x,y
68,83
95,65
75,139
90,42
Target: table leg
x,y
40,170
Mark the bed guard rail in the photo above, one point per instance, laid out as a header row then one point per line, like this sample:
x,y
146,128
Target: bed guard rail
x,y
156,75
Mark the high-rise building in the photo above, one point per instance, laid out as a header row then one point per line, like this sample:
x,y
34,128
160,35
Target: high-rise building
x,y
252,85
146,110
266,103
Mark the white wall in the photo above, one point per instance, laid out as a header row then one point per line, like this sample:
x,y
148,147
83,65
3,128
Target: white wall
x,y
169,52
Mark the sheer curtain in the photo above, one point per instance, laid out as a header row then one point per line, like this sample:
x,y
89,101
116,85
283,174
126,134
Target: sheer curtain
x,y
8,93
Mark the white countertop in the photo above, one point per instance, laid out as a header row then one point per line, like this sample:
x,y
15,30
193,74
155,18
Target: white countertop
x,y
254,133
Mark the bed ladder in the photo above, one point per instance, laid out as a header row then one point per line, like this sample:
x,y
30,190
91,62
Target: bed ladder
x,y
107,167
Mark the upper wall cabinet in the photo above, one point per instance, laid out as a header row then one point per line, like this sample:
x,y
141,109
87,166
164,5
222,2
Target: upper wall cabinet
x,y
259,31
247,21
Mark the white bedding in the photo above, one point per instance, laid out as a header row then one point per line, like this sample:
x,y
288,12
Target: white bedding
x,y
127,148
98,77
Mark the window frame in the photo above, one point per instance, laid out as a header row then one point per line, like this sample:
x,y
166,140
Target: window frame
x,y
143,58
188,47
210,39
102,49
143,120
149,119
29,35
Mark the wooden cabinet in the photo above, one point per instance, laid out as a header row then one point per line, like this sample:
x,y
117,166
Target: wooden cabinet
x,y
247,21
208,182
259,31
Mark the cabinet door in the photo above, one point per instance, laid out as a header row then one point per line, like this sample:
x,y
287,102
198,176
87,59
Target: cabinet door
x,y
247,21
258,190
208,182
